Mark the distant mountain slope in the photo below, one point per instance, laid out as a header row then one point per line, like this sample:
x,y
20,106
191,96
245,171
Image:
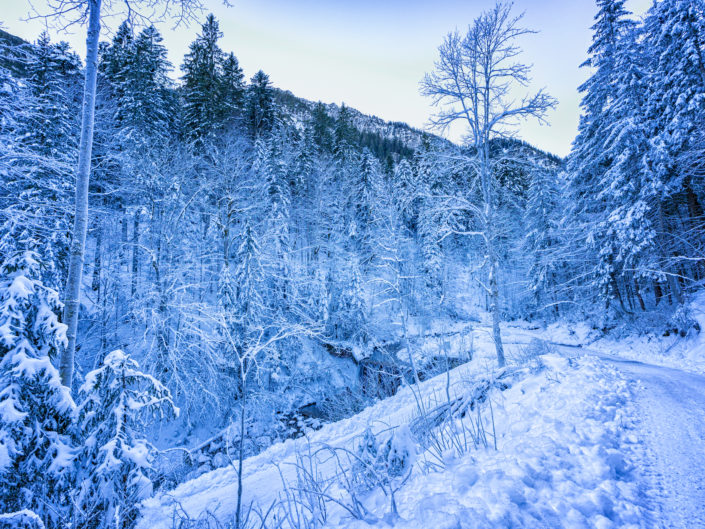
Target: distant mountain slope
x,y
383,137
408,136
13,53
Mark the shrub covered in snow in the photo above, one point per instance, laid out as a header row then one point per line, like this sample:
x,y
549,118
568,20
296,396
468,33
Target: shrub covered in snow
x,y
530,355
385,463
380,462
682,323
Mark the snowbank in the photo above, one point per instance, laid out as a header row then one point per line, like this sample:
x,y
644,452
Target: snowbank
x,y
686,353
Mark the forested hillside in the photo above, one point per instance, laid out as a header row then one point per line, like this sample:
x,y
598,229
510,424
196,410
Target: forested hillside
x,y
267,264
222,208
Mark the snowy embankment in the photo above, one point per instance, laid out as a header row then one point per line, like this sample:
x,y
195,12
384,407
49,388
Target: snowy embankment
x,y
563,458
686,353
674,351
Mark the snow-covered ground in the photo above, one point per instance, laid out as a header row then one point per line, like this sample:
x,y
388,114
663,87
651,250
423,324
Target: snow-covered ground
x,y
564,458
685,353
676,352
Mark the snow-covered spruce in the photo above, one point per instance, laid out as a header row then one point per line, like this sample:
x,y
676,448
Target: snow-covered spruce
x,y
114,460
35,409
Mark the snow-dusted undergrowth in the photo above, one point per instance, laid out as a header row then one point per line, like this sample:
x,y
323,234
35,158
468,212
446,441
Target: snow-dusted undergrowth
x,y
562,460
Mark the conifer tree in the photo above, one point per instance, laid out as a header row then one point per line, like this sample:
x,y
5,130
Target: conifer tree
x,y
248,274
135,70
305,157
203,87
407,189
232,87
146,100
46,132
348,318
260,105
8,90
49,125
343,134
429,221
675,39
36,451
624,235
542,241
274,168
321,124
675,111
115,58
365,186
588,161
115,460
243,296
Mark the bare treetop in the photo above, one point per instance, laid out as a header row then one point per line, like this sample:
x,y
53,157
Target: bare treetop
x,y
475,75
66,13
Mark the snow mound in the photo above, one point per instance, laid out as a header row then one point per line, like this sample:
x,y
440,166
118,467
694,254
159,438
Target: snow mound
x,y
23,519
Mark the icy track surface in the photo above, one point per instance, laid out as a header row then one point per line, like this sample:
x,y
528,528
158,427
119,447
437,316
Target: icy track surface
x,y
671,421
567,457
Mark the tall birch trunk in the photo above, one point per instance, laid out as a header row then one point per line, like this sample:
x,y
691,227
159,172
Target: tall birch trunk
x,y
490,239
474,81
496,316
78,244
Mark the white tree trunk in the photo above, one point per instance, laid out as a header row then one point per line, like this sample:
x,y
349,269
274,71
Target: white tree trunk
x,y
495,309
491,239
78,244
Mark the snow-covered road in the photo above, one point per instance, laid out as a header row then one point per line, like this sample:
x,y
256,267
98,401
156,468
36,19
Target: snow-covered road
x,y
671,422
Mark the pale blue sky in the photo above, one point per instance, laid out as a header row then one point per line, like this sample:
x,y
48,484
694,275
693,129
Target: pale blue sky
x,y
372,54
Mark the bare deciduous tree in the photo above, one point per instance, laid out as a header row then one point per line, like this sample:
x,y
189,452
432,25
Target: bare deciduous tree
x,y
473,83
